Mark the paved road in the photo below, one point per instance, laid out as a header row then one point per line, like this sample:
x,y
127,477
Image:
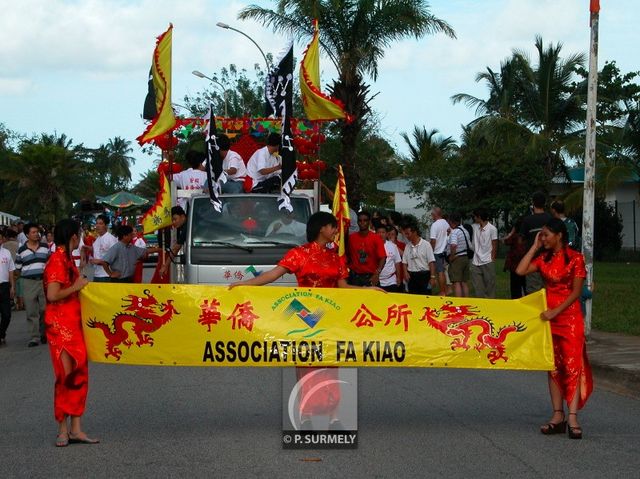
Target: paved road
x,y
201,422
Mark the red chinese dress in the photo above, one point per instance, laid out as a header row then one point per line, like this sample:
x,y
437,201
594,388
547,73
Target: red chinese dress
x,y
64,333
567,329
315,266
318,267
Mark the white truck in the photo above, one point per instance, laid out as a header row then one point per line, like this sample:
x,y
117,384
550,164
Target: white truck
x,y
248,237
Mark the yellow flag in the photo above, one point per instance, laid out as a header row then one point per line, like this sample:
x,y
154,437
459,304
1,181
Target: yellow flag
x,y
317,105
340,210
159,216
164,120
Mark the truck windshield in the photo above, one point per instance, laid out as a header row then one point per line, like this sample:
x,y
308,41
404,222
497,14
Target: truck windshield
x,y
249,221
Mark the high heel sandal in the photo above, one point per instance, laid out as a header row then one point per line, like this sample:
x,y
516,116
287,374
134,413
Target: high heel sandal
x,y
575,432
554,427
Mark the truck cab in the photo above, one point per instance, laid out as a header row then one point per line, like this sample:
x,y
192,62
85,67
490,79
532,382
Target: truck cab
x,y
249,236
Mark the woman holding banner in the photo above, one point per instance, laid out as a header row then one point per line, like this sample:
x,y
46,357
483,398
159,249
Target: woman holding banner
x,y
315,265
62,281
563,271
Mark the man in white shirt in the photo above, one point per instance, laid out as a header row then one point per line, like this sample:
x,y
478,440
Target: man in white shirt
x,y
192,179
233,166
485,248
287,225
7,291
418,261
390,274
265,165
459,264
438,238
101,245
22,238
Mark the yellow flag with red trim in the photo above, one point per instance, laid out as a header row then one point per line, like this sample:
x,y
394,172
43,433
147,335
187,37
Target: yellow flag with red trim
x,y
159,216
164,119
317,105
340,210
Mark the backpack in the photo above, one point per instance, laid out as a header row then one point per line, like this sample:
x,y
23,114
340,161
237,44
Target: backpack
x,y
469,250
469,229
573,234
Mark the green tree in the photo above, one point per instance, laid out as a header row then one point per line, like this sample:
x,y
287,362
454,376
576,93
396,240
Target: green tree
x,y
540,102
383,164
503,91
354,34
111,163
481,173
46,175
148,185
233,92
430,156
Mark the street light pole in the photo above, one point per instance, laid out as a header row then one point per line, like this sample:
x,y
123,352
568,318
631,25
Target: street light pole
x,y
216,82
228,27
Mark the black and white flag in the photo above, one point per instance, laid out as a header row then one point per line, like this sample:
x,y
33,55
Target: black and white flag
x,y
214,163
279,94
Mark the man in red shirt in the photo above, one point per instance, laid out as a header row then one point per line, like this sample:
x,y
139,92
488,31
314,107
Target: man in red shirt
x,y
367,255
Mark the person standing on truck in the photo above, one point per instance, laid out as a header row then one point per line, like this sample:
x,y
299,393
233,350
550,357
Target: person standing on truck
x,y
191,179
232,165
179,222
265,166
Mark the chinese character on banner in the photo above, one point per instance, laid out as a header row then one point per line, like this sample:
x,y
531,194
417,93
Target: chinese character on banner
x,y
238,275
364,317
227,274
209,314
400,313
243,316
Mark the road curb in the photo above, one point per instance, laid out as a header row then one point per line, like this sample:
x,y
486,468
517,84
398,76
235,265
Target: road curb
x,y
616,379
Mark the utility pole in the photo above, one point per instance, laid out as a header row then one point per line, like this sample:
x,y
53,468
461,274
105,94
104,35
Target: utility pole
x,y
588,202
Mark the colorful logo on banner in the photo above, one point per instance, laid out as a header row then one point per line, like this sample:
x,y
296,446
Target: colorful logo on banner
x,y
276,326
296,308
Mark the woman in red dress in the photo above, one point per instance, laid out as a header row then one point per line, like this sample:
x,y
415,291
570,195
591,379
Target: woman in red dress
x,y
64,335
563,272
317,266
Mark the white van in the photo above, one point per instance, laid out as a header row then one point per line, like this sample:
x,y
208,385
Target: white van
x,y
248,237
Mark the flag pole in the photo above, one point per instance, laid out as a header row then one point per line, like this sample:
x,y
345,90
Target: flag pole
x,y
588,203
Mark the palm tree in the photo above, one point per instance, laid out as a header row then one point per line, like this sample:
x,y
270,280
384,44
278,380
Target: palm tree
x,y
502,93
355,34
45,177
430,156
537,102
111,164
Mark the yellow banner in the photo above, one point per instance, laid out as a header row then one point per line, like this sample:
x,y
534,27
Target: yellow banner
x,y
189,325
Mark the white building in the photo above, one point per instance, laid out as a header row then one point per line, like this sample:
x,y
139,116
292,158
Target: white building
x,y
6,219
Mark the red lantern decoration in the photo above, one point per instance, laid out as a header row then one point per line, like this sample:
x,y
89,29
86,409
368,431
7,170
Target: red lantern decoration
x,y
166,142
320,165
163,168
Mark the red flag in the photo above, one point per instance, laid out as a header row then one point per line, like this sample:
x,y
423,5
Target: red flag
x,y
157,279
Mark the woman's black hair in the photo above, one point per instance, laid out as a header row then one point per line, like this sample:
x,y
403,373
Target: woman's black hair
x,y
317,221
64,231
557,226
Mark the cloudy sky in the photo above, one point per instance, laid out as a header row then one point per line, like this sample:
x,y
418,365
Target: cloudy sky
x,y
80,67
